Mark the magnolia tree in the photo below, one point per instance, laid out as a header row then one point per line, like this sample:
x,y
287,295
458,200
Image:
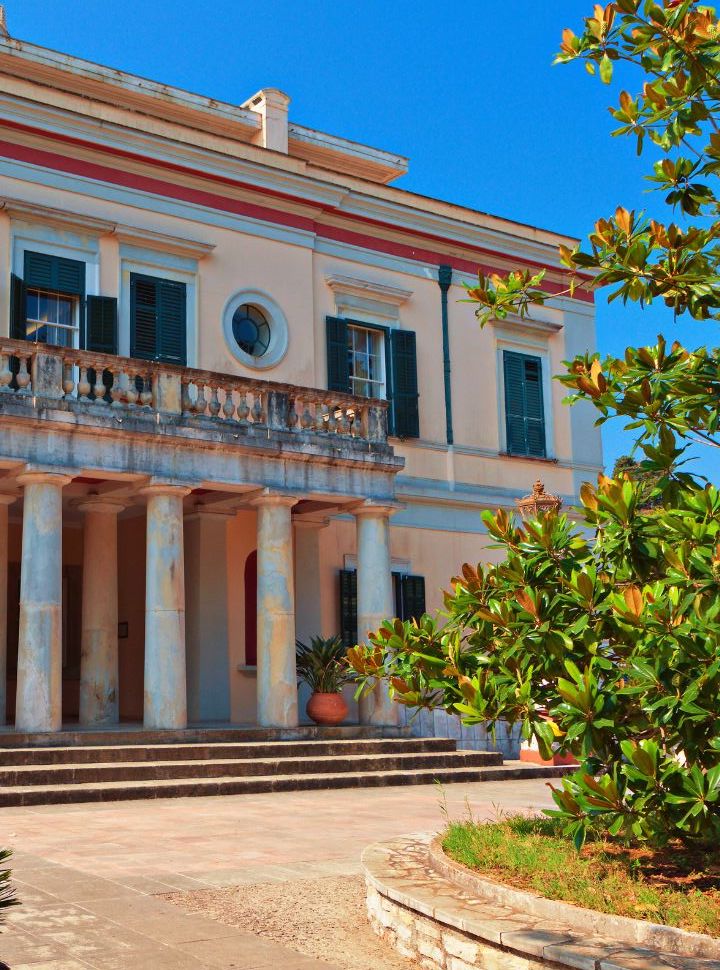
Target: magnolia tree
x,y
603,639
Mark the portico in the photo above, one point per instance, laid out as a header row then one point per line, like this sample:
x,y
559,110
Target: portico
x,y
123,515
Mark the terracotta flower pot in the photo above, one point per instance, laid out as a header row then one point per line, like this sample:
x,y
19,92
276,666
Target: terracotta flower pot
x,y
327,709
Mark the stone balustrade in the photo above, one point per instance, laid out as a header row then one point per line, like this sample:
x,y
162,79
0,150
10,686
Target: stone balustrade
x,y
84,379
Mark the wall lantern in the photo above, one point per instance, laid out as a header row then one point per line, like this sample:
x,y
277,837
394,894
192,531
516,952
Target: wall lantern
x,y
530,506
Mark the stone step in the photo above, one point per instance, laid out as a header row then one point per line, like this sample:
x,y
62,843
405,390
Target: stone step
x,y
198,735
110,753
62,774
121,790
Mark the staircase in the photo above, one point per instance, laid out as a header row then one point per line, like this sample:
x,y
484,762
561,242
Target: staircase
x,y
91,767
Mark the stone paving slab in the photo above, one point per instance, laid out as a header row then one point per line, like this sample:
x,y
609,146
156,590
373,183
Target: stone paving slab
x,y
89,876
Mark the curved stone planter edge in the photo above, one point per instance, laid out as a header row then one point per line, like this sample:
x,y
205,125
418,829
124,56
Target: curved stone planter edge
x,y
585,921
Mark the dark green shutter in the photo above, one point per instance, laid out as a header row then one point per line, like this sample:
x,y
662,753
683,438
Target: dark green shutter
x,y
535,413
405,419
54,273
338,359
102,324
514,403
143,317
524,410
410,596
348,607
173,328
18,308
158,313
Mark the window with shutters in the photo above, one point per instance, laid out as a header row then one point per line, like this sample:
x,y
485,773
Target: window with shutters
x,y
374,361
408,594
158,314
48,301
524,405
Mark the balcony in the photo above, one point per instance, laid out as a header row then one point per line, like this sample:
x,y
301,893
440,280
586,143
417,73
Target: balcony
x,y
123,415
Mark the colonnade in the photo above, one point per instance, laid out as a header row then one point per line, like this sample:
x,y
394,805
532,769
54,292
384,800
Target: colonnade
x,y
39,669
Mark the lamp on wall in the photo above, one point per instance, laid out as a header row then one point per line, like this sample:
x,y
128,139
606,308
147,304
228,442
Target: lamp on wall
x,y
530,506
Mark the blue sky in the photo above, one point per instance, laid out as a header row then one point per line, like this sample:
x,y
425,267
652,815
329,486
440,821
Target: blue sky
x,y
465,89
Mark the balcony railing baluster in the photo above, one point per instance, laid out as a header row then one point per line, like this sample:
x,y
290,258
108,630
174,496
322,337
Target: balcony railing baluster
x,y
80,378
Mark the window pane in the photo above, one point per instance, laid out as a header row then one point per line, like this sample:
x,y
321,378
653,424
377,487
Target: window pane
x,y
366,348
51,318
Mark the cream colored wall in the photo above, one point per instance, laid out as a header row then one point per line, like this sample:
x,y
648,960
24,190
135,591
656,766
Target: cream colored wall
x,y
295,278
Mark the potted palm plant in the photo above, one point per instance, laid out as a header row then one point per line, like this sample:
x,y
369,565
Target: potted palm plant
x,y
321,664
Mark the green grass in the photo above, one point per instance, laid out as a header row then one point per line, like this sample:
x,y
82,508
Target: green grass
x,y
666,886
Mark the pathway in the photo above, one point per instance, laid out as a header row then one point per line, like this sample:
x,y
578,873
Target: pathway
x,y
91,876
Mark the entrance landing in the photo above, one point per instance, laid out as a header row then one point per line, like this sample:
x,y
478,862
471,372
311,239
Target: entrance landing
x,y
108,766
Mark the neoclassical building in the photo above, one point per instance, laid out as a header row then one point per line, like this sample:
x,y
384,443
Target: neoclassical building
x,y
240,401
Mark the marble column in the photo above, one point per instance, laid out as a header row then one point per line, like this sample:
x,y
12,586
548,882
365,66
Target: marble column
x,y
277,699
39,671
99,649
206,622
375,601
5,502
165,679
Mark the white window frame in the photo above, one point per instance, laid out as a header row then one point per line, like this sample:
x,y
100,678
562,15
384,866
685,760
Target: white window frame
x,y
279,330
378,335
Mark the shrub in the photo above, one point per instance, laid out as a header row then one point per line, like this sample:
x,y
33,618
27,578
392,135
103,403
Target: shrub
x,y
604,639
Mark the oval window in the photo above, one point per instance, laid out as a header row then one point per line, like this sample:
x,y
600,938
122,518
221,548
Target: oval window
x,y
251,330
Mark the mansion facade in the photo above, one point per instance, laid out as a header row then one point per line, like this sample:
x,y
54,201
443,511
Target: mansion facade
x,y
240,401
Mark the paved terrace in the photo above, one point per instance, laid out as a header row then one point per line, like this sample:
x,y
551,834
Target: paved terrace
x,y
90,876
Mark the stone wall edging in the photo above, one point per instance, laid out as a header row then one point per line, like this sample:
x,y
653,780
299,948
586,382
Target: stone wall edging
x,y
431,917
621,928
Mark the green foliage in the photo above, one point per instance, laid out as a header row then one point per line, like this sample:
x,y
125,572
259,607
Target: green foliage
x,y
603,639
627,467
321,664
530,853
7,893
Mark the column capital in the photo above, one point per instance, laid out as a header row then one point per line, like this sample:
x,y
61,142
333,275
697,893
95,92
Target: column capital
x,y
271,497
376,509
102,503
6,499
33,477
171,489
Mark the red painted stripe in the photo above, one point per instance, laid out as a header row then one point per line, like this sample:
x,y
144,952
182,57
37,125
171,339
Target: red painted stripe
x,y
212,200
261,190
102,173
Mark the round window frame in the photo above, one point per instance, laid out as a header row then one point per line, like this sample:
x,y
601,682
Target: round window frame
x,y
277,321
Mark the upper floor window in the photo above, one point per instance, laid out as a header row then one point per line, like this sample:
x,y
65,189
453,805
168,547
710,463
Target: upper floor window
x,y
251,330
47,304
158,311
52,318
366,361
373,361
524,406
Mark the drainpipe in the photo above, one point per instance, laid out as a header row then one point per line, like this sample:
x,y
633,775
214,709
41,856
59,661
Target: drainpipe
x,y
444,281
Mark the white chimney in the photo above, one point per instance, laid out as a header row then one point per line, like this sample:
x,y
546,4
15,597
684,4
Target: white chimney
x,y
272,106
